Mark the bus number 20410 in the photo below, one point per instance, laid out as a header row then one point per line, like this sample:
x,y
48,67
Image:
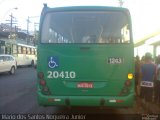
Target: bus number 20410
x,y
61,74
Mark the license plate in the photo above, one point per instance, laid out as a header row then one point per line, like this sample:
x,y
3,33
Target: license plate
x,y
85,85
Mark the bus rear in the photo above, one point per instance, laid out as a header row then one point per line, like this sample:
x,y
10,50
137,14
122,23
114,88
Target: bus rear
x,y
85,57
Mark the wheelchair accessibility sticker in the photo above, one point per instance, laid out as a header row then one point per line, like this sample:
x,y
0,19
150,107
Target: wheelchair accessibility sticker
x,y
53,62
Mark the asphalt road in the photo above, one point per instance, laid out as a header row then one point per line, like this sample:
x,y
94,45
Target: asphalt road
x,y
18,96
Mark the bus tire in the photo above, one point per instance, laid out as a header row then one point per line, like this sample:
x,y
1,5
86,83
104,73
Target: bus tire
x,y
12,71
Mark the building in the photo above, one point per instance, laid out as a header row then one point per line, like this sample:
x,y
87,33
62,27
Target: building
x,y
150,43
15,34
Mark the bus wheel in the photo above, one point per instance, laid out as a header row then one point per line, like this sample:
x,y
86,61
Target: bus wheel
x,y
12,71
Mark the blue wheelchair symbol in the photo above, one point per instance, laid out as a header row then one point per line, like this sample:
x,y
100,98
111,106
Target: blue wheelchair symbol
x,y
53,62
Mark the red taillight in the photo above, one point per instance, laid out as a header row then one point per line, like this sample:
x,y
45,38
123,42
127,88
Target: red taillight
x,y
42,82
45,89
40,75
119,101
50,99
127,83
125,90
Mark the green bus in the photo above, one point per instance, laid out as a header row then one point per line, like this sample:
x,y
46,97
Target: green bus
x,y
85,57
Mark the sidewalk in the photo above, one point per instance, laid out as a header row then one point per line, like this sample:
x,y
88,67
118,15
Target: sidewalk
x,y
152,107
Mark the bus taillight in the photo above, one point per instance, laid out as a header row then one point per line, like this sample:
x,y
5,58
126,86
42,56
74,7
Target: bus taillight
x,y
130,76
40,75
43,85
42,82
127,83
45,89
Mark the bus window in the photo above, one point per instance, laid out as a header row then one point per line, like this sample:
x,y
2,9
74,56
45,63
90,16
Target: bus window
x,y
14,49
88,27
33,51
8,49
28,51
125,34
24,50
19,50
2,49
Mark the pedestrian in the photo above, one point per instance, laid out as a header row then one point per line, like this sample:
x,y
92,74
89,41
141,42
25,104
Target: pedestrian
x,y
137,74
157,82
148,74
142,59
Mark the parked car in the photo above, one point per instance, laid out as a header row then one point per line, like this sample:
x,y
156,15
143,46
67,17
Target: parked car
x,y
8,64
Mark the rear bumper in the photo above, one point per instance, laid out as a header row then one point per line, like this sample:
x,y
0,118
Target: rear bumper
x,y
112,101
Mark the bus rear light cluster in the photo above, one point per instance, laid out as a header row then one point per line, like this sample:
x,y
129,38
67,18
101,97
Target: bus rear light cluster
x,y
43,84
125,89
127,85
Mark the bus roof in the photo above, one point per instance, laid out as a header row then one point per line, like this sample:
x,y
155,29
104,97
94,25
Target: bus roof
x,y
84,8
26,45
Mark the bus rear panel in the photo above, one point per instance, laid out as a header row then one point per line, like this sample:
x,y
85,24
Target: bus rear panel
x,y
85,57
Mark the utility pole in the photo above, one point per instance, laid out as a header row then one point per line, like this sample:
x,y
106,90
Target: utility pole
x,y
12,21
7,13
28,21
35,34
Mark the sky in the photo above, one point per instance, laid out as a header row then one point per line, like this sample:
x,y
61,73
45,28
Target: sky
x,y
144,13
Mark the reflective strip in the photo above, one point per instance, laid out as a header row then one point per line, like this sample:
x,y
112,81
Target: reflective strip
x,y
57,100
112,100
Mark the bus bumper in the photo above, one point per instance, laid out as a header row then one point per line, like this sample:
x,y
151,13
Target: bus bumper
x,y
115,101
